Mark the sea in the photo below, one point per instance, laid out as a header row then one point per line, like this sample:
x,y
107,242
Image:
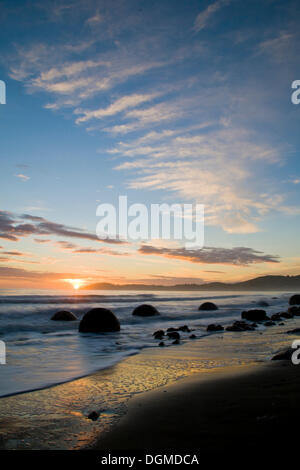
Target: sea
x,y
41,353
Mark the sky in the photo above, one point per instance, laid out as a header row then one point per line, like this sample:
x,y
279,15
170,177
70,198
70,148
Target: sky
x,y
165,102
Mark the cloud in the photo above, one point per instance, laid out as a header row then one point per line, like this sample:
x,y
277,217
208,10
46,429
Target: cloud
x,y
213,165
22,177
13,253
205,16
47,68
87,250
240,256
279,48
95,19
14,227
130,101
24,274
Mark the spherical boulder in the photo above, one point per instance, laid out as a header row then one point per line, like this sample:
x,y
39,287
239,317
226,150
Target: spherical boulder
x,y
295,299
64,315
255,315
99,320
145,311
208,306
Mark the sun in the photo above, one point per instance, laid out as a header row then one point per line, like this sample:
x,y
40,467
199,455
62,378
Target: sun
x,y
76,283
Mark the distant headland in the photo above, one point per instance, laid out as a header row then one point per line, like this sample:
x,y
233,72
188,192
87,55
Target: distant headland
x,y
272,283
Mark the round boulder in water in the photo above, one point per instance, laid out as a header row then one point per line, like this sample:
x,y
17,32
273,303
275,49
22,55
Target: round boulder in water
x,y
145,311
99,320
64,315
208,306
295,299
255,315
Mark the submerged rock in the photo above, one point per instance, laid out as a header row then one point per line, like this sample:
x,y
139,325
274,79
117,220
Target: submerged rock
x,y
176,341
270,323
240,326
145,311
208,306
284,355
276,317
184,328
255,315
99,320
263,303
287,315
294,331
64,315
193,336
159,334
173,335
161,344
294,311
214,327
295,299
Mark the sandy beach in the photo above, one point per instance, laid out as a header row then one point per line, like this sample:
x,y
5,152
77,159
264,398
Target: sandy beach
x,y
202,394
229,411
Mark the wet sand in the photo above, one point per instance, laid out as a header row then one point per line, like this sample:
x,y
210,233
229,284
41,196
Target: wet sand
x,y
236,410
194,394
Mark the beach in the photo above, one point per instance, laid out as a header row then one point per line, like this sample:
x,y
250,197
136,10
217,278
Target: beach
x,y
236,410
201,391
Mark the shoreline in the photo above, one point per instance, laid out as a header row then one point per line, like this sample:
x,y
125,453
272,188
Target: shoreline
x,y
233,410
56,417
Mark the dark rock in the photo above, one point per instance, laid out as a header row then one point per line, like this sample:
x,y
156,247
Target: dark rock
x,y
173,335
263,303
145,311
295,299
159,334
255,315
184,328
214,327
193,337
240,326
64,315
93,416
294,311
177,341
284,355
281,324
294,331
288,315
99,320
161,344
270,323
208,306
169,330
276,317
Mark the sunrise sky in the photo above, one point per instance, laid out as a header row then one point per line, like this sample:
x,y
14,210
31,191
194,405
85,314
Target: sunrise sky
x,y
163,101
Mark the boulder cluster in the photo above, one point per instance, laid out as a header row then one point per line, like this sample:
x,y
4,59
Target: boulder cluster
x,y
101,320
